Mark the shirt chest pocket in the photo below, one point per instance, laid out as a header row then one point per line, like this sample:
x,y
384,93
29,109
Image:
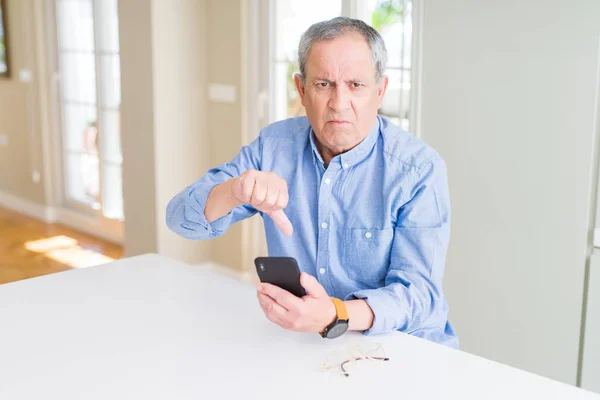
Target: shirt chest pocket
x,y
367,255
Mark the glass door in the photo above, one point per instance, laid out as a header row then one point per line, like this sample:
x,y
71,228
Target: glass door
x,y
90,98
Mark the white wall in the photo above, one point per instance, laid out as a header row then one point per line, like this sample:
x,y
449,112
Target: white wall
x,y
180,115
590,371
508,100
137,127
164,135
172,134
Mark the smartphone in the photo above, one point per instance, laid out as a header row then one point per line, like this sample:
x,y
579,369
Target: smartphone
x,y
282,272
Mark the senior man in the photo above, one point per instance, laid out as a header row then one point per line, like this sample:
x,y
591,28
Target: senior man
x,y
362,205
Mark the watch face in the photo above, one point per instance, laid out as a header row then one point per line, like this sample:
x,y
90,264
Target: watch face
x,y
337,330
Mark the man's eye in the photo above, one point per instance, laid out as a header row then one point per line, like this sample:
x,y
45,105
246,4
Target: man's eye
x,y
323,84
356,85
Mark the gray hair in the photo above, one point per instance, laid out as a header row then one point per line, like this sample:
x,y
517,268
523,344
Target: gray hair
x,y
335,28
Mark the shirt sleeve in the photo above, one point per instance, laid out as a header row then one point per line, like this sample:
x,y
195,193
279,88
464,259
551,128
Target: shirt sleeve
x,y
412,299
185,211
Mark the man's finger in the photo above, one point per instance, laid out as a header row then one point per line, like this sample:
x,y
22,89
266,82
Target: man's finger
x,y
247,182
266,301
312,286
282,202
273,311
270,306
278,321
281,296
259,194
270,200
282,222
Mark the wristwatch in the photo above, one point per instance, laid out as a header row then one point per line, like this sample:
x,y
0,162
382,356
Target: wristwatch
x,y
338,327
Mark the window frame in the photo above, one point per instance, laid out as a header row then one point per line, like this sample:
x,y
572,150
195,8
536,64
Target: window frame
x,y
61,208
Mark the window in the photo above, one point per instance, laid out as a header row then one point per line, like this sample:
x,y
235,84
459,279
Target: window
x,y
393,20
4,62
90,98
292,18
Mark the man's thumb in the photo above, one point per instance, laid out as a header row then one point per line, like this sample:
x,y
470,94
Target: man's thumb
x,y
282,222
312,286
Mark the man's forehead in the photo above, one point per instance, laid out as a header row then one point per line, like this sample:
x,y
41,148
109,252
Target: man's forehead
x,y
332,68
350,53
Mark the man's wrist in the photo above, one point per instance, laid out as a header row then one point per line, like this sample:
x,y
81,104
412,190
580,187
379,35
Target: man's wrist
x,y
220,201
331,315
339,324
232,201
361,315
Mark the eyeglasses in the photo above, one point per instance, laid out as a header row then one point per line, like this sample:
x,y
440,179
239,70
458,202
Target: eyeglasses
x,y
344,359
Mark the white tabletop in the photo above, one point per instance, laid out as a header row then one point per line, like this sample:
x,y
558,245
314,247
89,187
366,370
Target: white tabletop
x,y
151,328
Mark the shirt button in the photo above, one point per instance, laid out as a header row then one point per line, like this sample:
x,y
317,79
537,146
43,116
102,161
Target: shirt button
x,y
322,271
324,225
327,181
368,235
346,165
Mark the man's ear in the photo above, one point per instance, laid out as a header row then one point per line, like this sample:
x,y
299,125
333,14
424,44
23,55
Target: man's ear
x,y
381,88
300,87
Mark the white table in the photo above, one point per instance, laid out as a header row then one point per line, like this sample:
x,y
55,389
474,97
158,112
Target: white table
x,y
151,328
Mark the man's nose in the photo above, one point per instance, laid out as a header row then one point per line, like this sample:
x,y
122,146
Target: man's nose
x,y
340,98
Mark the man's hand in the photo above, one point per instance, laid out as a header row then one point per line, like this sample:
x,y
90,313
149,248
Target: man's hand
x,y
266,192
311,313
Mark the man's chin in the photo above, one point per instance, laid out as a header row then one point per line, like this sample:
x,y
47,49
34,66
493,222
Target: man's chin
x,y
339,139
340,144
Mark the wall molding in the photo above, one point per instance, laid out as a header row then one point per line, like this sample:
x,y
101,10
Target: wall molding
x,y
27,207
94,225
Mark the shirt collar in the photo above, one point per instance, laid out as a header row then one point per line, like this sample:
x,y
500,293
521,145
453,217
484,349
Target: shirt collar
x,y
313,144
353,156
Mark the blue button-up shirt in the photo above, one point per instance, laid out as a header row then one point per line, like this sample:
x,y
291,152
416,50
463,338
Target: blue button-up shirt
x,y
374,224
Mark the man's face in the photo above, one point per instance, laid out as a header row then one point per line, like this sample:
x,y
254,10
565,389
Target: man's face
x,y
340,93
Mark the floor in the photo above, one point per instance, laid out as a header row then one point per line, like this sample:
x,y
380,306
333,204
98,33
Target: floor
x,y
30,248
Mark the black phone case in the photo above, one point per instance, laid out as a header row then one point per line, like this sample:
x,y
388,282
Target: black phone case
x,y
282,272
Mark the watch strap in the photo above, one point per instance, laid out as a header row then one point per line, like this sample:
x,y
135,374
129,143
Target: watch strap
x,y
340,309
